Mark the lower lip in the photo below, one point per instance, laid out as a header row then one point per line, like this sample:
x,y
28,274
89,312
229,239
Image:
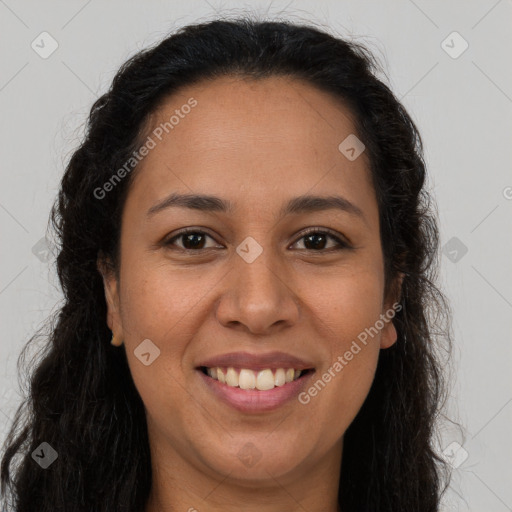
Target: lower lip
x,y
252,400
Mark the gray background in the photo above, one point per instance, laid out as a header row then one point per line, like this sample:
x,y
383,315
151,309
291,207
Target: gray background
x,y
461,105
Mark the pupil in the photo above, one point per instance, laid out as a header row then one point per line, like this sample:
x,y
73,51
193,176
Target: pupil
x,y
315,236
192,238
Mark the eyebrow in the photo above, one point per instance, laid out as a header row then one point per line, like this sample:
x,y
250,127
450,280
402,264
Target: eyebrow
x,y
297,205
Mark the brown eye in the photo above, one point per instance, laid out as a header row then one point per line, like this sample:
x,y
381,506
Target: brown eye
x,y
190,240
316,240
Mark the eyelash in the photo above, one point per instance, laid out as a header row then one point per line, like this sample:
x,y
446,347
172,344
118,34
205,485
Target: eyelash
x,y
341,243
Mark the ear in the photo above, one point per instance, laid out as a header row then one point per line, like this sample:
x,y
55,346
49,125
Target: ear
x,y
391,306
111,287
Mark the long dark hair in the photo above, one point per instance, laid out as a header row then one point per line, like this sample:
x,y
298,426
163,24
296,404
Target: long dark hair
x,y
82,400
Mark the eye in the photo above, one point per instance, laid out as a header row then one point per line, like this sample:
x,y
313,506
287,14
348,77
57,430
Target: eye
x,y
314,239
193,239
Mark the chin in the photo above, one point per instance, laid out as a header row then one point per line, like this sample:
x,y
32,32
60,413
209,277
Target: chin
x,y
253,459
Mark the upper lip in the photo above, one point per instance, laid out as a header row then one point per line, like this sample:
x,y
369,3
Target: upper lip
x,y
256,361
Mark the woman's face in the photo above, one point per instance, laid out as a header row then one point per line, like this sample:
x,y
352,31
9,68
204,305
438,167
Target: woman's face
x,y
251,290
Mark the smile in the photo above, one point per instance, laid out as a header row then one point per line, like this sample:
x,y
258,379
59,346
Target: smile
x,y
264,397
245,378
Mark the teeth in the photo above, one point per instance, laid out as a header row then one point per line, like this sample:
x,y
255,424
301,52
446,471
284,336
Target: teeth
x,y
262,380
232,377
280,377
247,379
265,380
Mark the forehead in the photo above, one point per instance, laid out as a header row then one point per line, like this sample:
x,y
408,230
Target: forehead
x,y
251,140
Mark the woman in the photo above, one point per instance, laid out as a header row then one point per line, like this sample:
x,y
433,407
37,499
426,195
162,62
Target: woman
x,y
247,257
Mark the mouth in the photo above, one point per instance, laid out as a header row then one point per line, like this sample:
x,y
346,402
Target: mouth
x,y
254,383
254,391
249,379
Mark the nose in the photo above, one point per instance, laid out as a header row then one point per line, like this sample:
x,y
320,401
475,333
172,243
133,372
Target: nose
x,y
259,297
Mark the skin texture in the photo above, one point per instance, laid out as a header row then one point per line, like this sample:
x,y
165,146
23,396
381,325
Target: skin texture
x,y
257,144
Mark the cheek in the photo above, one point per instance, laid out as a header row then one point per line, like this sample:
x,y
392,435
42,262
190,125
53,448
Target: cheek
x,y
345,312
345,305
155,310
337,392
158,302
156,306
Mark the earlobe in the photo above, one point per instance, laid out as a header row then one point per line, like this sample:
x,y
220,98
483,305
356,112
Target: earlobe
x,y
110,287
389,334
